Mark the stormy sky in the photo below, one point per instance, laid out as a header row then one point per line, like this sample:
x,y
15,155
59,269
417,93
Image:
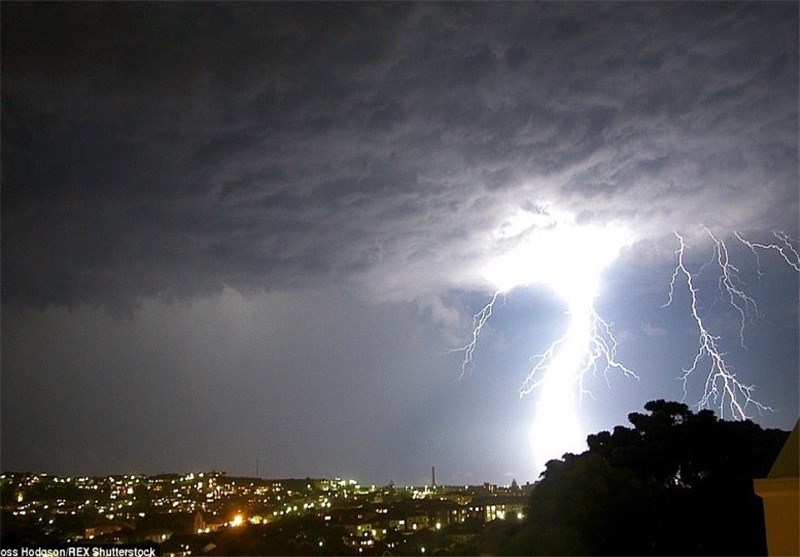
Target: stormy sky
x,y
240,231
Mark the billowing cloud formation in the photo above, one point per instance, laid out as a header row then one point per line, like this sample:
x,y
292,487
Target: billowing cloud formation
x,y
172,150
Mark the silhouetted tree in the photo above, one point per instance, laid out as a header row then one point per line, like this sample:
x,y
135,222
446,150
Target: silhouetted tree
x,y
677,483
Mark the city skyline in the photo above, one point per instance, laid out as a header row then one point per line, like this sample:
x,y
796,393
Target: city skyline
x,y
274,233
191,513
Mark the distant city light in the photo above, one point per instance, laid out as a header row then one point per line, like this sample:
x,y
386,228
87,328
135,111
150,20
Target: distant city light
x,y
111,500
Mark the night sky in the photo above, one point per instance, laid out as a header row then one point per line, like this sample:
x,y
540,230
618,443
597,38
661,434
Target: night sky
x,y
234,232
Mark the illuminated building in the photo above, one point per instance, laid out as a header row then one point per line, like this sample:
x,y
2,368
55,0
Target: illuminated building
x,y
780,491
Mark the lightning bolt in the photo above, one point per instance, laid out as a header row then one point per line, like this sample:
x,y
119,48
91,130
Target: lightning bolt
x,y
600,346
589,336
478,321
729,285
587,346
786,250
721,386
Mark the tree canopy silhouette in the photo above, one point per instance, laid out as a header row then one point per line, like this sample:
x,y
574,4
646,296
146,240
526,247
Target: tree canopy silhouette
x,y
677,483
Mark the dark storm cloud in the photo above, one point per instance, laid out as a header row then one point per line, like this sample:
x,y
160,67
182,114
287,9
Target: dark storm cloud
x,y
173,149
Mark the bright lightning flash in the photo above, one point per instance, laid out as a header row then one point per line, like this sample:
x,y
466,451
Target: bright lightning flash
x,y
722,386
570,259
550,249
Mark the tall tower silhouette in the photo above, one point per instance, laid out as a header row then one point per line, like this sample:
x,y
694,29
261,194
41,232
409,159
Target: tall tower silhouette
x,y
433,476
